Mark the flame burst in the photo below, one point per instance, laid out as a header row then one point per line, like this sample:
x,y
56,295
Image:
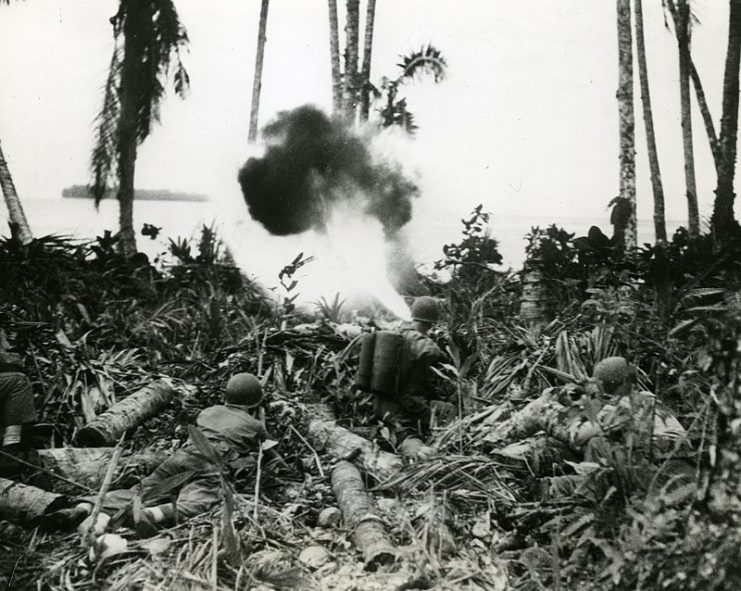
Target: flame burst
x,y
324,183
358,252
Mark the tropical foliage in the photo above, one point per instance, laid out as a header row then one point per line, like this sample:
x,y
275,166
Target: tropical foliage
x,y
148,42
393,110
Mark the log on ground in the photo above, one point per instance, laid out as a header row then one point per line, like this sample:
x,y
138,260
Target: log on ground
x,y
23,503
87,465
339,442
107,428
357,508
546,413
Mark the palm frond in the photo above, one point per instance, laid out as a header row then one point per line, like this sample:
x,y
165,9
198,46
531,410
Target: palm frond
x,y
106,136
482,475
398,114
165,39
427,61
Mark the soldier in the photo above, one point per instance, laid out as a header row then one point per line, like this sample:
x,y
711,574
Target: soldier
x,y
17,413
652,427
232,431
408,409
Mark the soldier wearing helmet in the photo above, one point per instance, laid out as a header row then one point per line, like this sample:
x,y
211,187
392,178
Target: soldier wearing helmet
x,y
629,414
232,431
408,410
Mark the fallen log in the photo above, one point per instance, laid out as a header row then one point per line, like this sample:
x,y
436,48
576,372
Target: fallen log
x,y
545,413
87,465
327,435
369,534
107,428
24,503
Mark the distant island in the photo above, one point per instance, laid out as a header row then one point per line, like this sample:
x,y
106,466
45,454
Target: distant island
x,y
83,192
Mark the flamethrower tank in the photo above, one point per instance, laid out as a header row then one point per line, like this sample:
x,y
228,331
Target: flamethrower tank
x,y
365,362
379,367
386,363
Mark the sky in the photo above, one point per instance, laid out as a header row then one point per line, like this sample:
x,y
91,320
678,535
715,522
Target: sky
x,y
525,123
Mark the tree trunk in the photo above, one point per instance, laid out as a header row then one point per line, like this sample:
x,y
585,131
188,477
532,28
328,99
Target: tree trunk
x,y
87,465
369,534
350,90
706,116
545,413
367,55
327,435
534,303
334,54
17,217
702,102
257,82
22,503
683,41
341,443
108,427
137,22
723,218
626,119
648,120
720,488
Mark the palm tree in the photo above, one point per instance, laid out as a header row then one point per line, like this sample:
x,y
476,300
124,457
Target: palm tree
x,y
18,222
626,119
428,61
723,220
257,83
334,54
148,39
702,102
367,54
648,120
349,88
683,41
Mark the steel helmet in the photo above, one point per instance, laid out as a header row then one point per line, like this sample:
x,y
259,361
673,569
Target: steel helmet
x,y
425,309
612,372
243,389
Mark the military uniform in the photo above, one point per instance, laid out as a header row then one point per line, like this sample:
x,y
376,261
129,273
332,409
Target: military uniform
x,y
16,397
16,412
231,431
408,410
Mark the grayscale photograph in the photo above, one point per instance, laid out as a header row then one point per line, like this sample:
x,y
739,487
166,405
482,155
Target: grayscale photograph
x,y
370,295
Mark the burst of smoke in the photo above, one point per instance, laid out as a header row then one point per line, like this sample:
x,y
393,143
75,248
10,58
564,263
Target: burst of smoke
x,y
310,165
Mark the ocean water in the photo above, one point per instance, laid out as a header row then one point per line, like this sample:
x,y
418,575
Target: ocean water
x,y
262,255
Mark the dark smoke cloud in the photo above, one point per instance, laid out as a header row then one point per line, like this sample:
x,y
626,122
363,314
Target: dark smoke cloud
x,y
312,162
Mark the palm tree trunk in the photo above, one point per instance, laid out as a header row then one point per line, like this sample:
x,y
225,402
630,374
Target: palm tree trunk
x,y
626,119
702,102
257,82
334,54
648,120
367,54
136,23
707,118
352,30
683,41
723,218
18,221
